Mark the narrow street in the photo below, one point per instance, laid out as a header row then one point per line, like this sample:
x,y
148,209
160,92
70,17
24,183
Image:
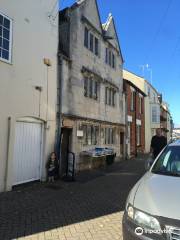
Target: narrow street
x,y
90,208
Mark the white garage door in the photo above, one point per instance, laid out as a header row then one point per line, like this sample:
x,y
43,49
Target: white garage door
x,y
27,152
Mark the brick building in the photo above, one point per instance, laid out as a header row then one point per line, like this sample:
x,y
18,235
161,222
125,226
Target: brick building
x,y
135,112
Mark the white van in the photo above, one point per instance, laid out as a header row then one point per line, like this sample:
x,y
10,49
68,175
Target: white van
x,y
153,205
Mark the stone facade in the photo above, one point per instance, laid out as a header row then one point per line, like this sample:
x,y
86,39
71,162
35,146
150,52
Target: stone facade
x,y
91,79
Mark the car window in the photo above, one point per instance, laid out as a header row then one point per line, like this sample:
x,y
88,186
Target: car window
x,y
169,162
166,158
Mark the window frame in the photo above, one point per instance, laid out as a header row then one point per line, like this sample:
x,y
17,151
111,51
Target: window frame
x,y
91,134
106,57
110,96
155,114
141,105
10,39
91,88
110,134
86,37
138,135
110,58
91,41
133,95
96,46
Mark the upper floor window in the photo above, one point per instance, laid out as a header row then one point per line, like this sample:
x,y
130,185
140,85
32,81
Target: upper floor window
x,y
86,37
110,96
110,58
141,105
133,100
155,114
96,46
154,98
5,38
91,88
91,42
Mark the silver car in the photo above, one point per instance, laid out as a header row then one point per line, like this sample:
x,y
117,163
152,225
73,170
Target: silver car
x,y
153,205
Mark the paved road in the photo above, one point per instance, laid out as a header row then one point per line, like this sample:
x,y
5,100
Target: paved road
x,y
90,208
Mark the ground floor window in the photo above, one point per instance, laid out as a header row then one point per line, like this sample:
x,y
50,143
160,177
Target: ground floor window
x,y
138,133
109,136
91,135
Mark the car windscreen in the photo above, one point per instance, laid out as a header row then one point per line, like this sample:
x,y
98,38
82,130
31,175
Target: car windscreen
x,y
168,162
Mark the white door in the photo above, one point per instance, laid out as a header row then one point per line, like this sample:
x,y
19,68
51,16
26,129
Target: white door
x,y
27,152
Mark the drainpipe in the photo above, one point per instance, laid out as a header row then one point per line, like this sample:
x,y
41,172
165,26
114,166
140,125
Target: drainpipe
x,y
8,153
126,126
59,110
126,119
135,123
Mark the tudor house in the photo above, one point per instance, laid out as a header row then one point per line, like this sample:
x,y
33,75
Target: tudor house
x,y
91,106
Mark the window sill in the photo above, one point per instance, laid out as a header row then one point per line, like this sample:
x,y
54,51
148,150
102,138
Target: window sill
x,y
110,66
110,105
5,61
93,99
93,54
112,144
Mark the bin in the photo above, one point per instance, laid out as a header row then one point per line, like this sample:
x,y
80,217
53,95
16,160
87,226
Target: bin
x,y
110,159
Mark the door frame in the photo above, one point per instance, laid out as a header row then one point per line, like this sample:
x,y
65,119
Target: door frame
x,y
70,134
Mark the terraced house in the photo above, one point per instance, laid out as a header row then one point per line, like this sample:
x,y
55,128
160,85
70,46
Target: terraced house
x,y
91,102
135,118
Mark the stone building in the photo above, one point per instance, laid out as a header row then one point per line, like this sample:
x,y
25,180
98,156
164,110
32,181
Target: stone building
x,y
135,112
91,106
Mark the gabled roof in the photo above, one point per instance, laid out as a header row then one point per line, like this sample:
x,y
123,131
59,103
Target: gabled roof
x,y
104,28
81,2
138,81
135,87
109,26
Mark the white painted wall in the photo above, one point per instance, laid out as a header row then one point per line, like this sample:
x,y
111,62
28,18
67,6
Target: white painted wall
x,y
150,127
35,36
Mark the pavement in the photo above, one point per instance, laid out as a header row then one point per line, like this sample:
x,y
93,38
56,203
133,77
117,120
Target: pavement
x,y
89,208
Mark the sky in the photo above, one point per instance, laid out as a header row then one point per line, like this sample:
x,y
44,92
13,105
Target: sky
x,y
149,33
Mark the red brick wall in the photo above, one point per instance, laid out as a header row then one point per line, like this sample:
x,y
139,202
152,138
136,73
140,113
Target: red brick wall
x,y
136,115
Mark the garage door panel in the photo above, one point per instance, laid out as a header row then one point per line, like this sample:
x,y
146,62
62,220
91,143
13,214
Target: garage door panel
x,y
27,152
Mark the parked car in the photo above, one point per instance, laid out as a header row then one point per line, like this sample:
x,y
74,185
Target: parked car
x,y
153,205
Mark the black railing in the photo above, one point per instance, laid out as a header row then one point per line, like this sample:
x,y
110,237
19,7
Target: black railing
x,y
70,171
